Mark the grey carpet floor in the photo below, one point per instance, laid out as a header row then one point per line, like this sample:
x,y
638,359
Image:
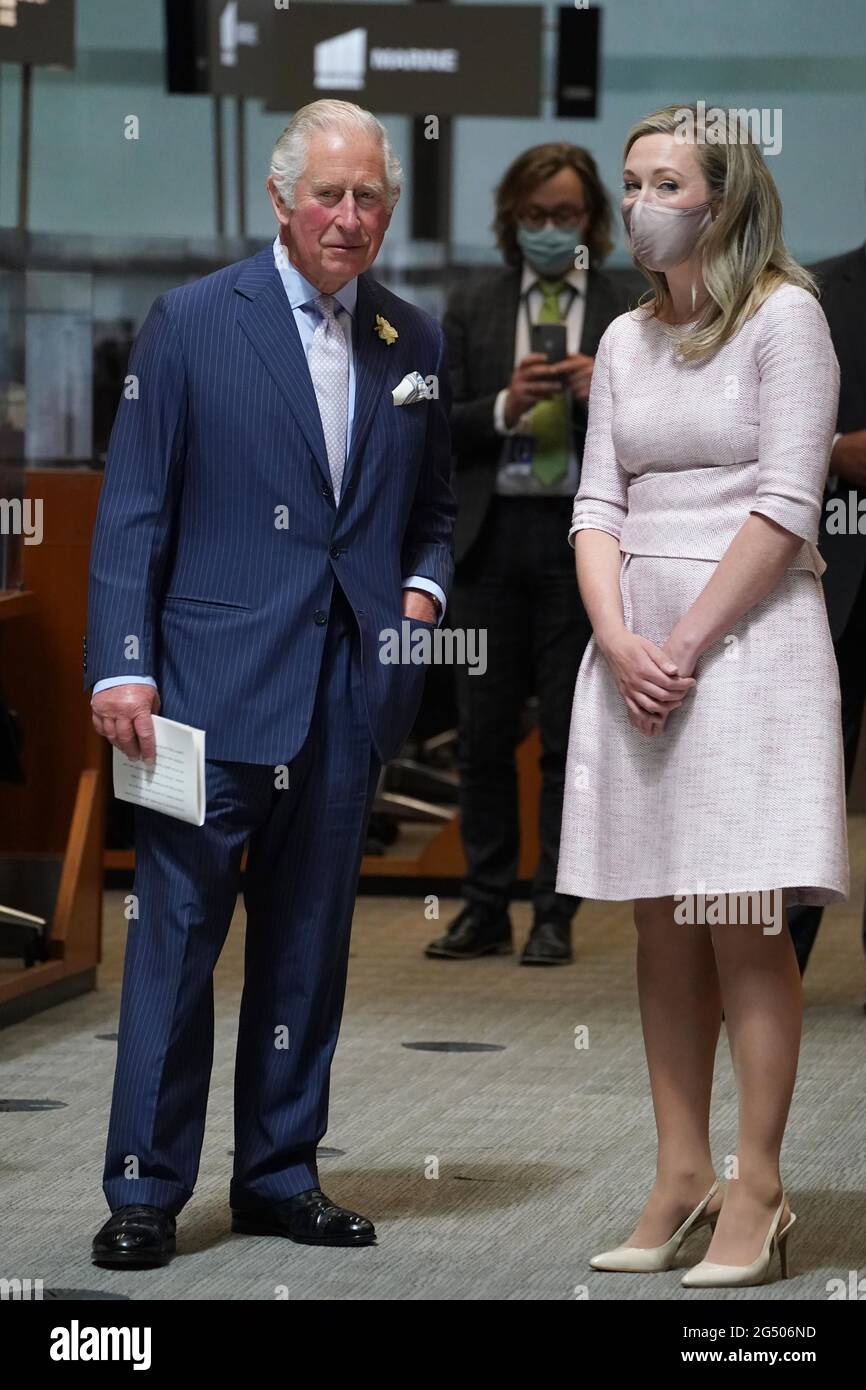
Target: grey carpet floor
x,y
543,1153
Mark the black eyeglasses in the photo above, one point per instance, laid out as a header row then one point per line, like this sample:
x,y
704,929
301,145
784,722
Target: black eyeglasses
x,y
565,215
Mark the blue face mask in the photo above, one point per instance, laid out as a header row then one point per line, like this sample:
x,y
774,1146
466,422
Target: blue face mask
x,y
549,250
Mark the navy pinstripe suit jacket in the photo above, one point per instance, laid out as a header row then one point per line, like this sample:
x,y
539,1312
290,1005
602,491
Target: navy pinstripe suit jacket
x,y
217,540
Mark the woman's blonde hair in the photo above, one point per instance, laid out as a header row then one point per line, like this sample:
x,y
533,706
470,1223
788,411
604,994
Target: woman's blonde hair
x,y
744,256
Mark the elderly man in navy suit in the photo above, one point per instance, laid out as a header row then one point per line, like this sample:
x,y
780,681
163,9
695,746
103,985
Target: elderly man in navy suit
x,y
268,514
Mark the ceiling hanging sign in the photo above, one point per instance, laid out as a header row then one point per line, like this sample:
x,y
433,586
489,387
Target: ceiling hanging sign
x,y
470,60
458,60
577,62
38,32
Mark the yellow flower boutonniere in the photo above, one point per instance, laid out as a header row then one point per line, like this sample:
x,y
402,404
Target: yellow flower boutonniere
x,y
386,332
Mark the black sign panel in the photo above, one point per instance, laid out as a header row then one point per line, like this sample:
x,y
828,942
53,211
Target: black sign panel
x,y
469,60
41,32
577,62
239,39
481,60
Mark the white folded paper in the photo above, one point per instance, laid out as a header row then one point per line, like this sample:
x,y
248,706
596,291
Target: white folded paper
x,y
174,784
412,388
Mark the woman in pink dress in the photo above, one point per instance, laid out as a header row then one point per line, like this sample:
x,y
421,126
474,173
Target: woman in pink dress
x,y
705,775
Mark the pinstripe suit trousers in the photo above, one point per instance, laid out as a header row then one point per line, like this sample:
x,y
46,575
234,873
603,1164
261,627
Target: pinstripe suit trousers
x,y
306,842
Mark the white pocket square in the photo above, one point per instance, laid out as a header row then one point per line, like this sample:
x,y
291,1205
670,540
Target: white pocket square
x,y
412,388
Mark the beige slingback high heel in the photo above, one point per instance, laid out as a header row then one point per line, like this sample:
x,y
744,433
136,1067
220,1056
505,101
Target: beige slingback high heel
x,y
708,1275
632,1259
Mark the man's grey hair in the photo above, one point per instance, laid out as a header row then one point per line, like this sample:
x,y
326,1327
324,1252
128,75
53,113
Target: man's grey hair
x,y
289,158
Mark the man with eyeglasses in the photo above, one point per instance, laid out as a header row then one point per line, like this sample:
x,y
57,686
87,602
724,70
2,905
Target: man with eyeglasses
x,y
518,421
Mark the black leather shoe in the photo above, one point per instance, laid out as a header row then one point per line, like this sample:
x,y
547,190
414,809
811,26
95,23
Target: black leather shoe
x,y
549,943
476,931
135,1237
311,1218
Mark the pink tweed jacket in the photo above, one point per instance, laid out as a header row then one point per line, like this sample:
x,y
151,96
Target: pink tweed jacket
x,y
678,454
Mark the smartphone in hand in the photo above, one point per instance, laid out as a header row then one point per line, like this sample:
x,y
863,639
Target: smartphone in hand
x,y
548,338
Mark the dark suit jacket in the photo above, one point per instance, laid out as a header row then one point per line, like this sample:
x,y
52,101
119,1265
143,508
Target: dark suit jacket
x,y
229,609
480,322
843,299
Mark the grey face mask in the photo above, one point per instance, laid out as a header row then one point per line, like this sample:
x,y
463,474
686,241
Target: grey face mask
x,y
662,237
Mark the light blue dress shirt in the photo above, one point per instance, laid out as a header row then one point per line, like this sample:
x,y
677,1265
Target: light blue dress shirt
x,y
302,295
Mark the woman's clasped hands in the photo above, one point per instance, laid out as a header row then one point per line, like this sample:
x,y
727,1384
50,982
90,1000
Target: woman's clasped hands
x,y
652,680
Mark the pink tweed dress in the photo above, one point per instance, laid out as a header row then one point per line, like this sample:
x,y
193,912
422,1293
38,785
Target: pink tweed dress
x,y
745,789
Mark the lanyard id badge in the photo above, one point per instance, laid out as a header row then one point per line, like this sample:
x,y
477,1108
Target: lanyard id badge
x,y
519,450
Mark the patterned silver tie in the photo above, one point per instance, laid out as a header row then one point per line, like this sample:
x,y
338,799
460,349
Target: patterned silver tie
x,y
329,369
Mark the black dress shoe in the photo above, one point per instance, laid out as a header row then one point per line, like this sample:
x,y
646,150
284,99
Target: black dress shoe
x,y
310,1218
135,1237
549,943
476,931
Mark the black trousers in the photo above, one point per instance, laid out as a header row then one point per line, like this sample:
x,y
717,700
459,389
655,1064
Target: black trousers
x,y
805,919
517,583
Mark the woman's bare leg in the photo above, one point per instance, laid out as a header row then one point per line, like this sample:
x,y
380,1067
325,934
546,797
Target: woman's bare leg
x,y
763,1003
680,1009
